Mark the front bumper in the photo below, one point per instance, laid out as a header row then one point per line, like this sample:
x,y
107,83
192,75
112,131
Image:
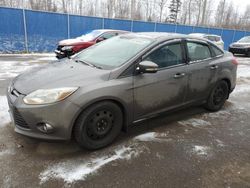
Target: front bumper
x,y
234,50
27,118
63,53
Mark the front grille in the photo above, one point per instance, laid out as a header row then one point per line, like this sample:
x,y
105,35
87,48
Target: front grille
x,y
237,46
19,121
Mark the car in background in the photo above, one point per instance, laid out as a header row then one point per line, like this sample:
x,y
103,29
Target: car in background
x,y
69,47
216,39
128,78
241,47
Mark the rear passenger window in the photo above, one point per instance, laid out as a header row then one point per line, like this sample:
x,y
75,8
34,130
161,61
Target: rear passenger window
x,y
211,38
216,50
198,51
167,56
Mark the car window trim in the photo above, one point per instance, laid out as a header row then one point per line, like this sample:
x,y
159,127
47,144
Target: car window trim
x,y
216,56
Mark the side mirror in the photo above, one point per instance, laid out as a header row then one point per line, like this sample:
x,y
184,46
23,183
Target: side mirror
x,y
147,67
100,39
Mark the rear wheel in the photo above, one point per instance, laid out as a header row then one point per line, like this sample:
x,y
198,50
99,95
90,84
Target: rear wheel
x,y
218,96
99,125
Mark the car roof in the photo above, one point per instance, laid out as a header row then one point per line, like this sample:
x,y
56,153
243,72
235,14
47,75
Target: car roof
x,y
203,34
158,35
111,30
162,36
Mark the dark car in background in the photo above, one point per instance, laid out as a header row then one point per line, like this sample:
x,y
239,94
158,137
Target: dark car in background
x,y
69,47
104,89
241,47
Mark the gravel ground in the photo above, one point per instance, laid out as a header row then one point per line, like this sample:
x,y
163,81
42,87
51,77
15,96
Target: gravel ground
x,y
190,148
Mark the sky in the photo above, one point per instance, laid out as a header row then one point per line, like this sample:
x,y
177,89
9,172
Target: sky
x,y
241,3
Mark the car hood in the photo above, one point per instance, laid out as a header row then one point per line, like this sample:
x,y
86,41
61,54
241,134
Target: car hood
x,y
69,42
59,74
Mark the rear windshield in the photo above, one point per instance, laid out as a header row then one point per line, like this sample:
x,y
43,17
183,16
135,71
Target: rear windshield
x,y
91,35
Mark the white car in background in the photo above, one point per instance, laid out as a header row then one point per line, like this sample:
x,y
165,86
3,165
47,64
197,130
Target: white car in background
x,y
216,39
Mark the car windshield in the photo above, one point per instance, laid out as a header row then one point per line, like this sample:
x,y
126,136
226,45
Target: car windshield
x,y
245,40
90,35
114,52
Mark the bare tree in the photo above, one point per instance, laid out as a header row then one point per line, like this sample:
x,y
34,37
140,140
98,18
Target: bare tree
x,y
162,4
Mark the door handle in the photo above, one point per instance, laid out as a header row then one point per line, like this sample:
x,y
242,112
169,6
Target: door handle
x,y
214,67
179,75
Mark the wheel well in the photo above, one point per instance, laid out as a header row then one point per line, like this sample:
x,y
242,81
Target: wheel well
x,y
229,85
124,113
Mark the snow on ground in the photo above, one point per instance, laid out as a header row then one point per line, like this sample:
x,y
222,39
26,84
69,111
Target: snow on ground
x,y
73,170
201,150
152,137
6,152
195,122
10,69
4,114
243,71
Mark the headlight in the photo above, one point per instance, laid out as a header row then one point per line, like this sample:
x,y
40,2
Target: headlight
x,y
46,96
67,48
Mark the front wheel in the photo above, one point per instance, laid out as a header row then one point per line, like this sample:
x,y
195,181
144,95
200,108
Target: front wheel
x,y
98,125
218,96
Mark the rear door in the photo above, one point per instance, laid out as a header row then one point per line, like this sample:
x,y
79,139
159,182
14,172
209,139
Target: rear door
x,y
202,70
166,89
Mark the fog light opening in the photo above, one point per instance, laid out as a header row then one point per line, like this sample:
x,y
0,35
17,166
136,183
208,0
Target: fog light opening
x,y
45,127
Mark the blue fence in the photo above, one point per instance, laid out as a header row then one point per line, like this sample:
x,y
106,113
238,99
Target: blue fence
x,y
35,31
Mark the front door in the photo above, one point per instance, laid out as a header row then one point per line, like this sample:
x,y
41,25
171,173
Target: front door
x,y
166,89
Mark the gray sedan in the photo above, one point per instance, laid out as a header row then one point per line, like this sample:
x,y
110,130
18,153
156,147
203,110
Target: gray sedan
x,y
118,82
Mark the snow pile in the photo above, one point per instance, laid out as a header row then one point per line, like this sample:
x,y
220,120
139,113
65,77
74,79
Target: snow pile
x,y
195,122
4,114
73,170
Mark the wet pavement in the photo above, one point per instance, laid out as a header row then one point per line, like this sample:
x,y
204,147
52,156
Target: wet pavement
x,y
190,148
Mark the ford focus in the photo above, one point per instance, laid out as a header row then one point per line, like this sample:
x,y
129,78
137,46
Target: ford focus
x,y
113,84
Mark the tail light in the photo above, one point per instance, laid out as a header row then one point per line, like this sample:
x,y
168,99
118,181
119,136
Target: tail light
x,y
235,61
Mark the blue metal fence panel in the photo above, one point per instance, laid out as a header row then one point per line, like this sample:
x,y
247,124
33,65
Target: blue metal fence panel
x,y
184,29
238,35
44,30
215,31
140,26
227,37
11,30
201,30
81,24
117,24
165,28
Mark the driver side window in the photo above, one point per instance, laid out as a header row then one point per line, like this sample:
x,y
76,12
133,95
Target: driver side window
x,y
166,56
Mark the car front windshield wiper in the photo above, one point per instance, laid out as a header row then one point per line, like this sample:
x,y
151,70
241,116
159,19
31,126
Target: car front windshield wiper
x,y
86,63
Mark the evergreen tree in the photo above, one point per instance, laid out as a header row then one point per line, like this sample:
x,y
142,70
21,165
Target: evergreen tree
x,y
175,6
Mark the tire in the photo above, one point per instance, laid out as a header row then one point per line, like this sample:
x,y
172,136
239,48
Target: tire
x,y
98,125
218,96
